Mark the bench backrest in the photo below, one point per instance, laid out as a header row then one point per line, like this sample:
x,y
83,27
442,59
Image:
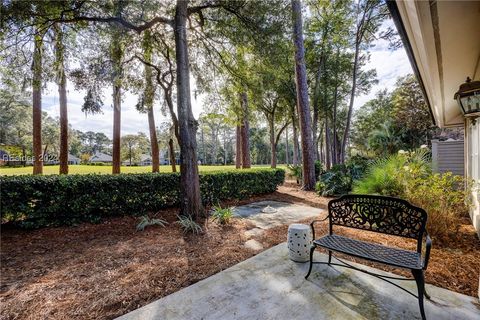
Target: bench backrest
x,y
379,214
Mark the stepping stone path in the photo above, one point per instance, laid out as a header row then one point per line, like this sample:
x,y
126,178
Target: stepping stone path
x,y
285,214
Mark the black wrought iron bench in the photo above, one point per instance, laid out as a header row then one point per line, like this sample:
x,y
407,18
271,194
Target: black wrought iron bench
x,y
386,215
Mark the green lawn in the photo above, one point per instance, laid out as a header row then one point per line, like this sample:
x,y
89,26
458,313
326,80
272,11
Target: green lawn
x,y
82,169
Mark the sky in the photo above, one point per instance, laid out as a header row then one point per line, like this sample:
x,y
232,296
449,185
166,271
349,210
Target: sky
x,y
389,65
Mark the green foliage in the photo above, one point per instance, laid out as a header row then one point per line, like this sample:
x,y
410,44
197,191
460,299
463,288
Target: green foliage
x,y
387,176
386,140
358,166
133,146
394,120
295,171
381,178
335,181
222,215
408,175
97,164
146,221
189,225
36,201
242,184
444,197
340,178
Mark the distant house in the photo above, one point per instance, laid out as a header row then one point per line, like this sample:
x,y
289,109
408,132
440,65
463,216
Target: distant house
x,y
146,159
101,157
73,160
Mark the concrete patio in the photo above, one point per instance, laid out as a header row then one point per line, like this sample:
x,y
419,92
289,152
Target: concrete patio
x,y
270,286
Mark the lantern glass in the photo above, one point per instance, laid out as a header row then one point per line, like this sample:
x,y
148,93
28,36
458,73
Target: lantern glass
x,y
471,103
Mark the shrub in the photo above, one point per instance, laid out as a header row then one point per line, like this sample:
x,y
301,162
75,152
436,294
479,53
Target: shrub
x,y
358,165
222,215
295,171
36,201
408,175
443,197
339,179
382,178
388,176
189,225
146,221
334,181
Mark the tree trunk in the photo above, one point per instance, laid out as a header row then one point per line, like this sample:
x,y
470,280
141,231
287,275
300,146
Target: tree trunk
x,y
117,107
171,153
204,151
215,145
346,132
116,54
328,162
44,153
238,148
37,104
308,161
245,128
130,155
320,144
273,145
225,146
316,111
149,98
296,149
335,159
62,93
286,146
153,141
190,203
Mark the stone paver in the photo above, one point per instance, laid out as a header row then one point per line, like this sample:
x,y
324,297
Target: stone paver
x,y
287,213
270,286
253,245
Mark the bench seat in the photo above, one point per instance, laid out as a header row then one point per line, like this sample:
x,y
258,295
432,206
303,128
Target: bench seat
x,y
386,215
371,251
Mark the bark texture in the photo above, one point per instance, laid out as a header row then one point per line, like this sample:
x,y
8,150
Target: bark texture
x,y
171,153
245,129
62,93
295,159
238,148
153,141
116,54
286,146
37,105
149,95
190,203
308,162
117,114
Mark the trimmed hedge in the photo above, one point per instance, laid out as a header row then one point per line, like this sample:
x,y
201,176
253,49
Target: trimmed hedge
x,y
38,201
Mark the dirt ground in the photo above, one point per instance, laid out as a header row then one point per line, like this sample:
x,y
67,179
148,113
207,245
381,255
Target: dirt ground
x,y
105,270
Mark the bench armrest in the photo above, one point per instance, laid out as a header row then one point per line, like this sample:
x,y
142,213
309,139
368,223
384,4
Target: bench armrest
x,y
428,246
312,225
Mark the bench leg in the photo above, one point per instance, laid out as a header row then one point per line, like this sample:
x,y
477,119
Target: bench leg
x,y
329,257
420,280
312,249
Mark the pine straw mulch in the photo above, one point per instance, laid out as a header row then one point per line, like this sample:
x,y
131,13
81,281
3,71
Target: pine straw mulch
x,y
106,270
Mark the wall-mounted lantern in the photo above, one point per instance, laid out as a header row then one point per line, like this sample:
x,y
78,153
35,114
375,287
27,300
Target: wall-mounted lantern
x,y
468,98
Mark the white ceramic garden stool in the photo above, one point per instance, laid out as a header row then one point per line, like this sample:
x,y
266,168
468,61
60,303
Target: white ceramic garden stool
x,y
299,242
